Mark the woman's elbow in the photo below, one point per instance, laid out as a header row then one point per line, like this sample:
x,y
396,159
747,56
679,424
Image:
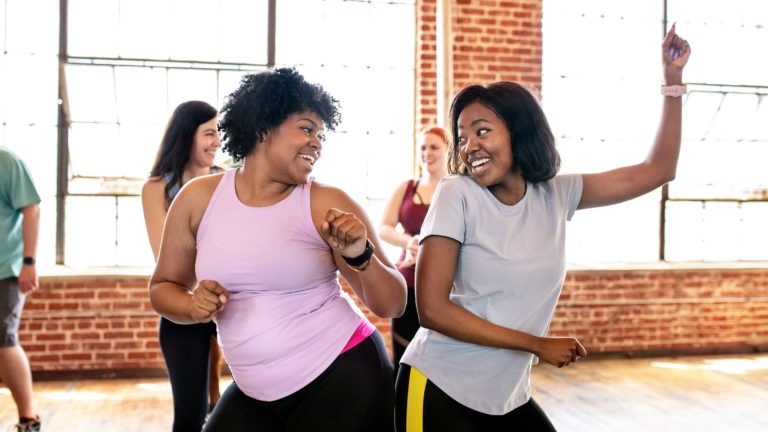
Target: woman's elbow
x,y
429,315
670,176
395,307
153,297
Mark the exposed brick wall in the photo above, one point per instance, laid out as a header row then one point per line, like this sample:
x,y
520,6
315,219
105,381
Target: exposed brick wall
x,y
664,311
492,40
106,323
426,67
497,40
86,322
76,323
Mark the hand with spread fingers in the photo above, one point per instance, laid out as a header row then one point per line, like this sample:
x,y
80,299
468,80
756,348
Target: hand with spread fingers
x,y
345,233
560,351
208,299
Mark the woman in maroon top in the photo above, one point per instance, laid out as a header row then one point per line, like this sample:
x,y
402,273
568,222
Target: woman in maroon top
x,y
407,207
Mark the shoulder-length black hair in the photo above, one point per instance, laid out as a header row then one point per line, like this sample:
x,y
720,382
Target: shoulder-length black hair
x,y
533,144
178,139
264,100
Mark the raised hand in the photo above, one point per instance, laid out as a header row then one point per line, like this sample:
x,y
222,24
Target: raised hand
x,y
560,352
208,298
675,50
344,232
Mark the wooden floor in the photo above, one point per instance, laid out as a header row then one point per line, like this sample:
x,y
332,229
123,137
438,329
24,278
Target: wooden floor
x,y
718,393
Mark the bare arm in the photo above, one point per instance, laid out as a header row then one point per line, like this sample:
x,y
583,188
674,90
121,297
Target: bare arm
x,y
153,204
387,229
30,229
434,280
345,227
660,165
173,289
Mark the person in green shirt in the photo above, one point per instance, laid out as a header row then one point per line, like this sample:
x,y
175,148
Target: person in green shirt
x,y
19,226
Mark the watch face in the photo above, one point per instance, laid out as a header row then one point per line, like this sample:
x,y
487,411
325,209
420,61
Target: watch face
x,y
28,260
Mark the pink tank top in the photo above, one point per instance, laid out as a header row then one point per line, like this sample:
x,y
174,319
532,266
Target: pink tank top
x,y
287,318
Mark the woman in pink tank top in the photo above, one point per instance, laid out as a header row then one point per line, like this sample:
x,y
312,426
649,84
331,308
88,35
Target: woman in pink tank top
x,y
407,207
258,249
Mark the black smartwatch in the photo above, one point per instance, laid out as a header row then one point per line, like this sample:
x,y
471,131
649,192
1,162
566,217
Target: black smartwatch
x,y
28,260
362,258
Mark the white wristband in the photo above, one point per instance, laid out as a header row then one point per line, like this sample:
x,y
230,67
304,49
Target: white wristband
x,y
674,90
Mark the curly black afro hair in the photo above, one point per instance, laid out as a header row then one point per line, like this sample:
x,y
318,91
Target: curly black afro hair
x,y
264,100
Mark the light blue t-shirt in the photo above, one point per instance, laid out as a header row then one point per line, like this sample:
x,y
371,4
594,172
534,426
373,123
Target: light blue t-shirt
x,y
510,271
16,192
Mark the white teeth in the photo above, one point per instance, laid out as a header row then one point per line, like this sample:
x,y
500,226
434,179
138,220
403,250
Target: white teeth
x,y
307,157
479,162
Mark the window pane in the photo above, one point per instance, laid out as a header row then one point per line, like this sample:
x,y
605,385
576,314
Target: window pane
x,y
290,49
753,233
144,29
2,28
93,149
622,233
342,163
243,31
735,118
142,95
718,118
715,231
187,84
138,146
192,31
372,31
82,27
90,235
717,29
91,91
684,228
739,174
29,91
32,27
132,247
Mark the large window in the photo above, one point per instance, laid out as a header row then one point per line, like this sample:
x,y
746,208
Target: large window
x,y
28,99
126,64
600,90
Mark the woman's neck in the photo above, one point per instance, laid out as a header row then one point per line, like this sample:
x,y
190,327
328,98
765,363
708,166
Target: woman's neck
x,y
191,172
433,178
255,187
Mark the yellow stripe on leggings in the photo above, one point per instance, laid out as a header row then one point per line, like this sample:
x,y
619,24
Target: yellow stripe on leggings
x,y
414,419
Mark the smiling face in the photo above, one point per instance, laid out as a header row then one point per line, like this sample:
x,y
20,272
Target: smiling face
x,y
206,144
485,146
433,151
294,147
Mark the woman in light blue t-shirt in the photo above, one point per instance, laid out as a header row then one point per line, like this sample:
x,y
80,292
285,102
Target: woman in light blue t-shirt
x,y
492,256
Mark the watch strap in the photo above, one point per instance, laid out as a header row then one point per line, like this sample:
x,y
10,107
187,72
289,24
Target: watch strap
x,y
674,90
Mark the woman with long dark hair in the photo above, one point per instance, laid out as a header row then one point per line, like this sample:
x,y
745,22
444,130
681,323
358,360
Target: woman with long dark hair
x,y
191,353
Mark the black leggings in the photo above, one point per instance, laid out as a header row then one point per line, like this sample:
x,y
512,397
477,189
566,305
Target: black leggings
x,y
440,413
187,349
353,394
405,327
